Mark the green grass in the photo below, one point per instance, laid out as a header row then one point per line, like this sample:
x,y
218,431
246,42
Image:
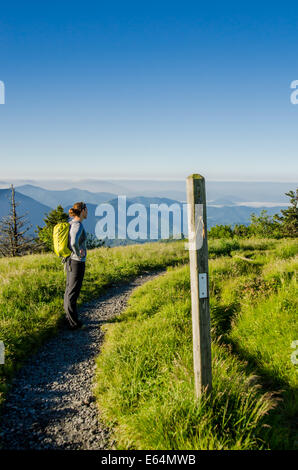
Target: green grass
x,y
32,289
144,379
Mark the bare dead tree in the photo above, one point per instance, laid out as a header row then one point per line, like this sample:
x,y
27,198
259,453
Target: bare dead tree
x,y
13,229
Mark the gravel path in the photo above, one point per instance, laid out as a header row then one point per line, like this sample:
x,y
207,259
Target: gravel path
x,y
51,404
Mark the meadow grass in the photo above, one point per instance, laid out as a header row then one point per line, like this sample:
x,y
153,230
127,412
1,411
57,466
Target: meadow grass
x,y
32,289
144,379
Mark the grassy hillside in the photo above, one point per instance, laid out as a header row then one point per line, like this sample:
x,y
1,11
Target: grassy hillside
x,y
144,373
32,289
144,381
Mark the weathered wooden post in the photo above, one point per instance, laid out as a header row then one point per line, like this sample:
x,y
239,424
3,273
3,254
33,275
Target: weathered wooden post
x,y
199,278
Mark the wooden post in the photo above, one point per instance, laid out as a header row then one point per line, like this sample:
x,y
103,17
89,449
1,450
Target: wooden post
x,y
199,277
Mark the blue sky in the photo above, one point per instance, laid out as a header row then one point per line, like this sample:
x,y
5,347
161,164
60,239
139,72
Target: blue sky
x,y
153,89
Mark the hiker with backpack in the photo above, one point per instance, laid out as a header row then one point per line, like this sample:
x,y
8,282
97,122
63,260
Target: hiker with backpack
x,y
75,263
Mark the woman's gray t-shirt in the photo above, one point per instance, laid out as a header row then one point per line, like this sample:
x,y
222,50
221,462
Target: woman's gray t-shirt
x,y
77,240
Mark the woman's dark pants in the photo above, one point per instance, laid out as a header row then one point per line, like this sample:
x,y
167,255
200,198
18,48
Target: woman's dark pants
x,y
75,273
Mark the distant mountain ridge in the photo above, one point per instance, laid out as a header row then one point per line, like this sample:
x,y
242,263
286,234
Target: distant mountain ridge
x,y
227,215
38,201
36,210
65,197
233,191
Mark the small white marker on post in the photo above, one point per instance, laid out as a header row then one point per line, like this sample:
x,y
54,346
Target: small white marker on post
x,y
198,256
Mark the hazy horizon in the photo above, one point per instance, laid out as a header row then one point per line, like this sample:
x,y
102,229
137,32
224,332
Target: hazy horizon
x,y
119,178
251,193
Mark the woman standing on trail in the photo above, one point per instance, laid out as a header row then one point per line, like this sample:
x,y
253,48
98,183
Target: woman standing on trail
x,y
75,264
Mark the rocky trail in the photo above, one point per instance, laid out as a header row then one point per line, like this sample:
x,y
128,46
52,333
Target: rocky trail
x,y
51,404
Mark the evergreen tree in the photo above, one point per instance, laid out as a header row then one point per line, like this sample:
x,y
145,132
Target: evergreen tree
x,y
220,231
45,234
13,229
264,225
241,230
289,217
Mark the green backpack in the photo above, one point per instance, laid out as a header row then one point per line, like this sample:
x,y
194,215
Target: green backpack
x,y
60,239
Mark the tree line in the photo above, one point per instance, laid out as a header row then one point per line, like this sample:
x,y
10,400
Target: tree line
x,y
284,225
